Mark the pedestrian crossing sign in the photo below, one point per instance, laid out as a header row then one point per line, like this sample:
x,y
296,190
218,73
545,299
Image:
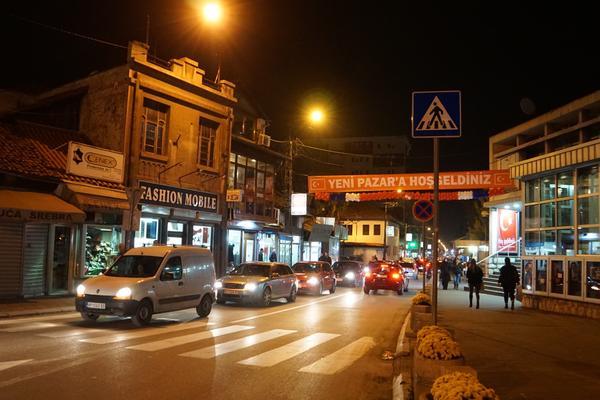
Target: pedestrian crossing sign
x,y
436,114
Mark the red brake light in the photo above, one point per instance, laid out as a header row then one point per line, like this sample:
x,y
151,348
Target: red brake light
x,y
396,275
368,274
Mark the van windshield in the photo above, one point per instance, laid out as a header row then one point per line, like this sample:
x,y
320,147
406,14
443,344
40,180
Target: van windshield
x,y
135,266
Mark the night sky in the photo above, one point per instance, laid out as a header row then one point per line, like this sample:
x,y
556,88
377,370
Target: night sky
x,y
510,60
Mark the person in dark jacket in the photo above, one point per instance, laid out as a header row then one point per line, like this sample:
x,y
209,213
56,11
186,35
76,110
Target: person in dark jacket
x,y
475,279
273,256
325,257
445,273
261,255
509,277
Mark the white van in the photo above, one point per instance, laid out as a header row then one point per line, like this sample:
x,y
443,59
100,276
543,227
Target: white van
x,y
150,280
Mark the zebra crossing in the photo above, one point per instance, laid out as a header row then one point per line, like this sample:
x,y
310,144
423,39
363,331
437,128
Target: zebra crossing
x,y
197,332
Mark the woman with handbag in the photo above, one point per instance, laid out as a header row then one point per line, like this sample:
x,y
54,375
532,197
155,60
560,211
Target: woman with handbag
x,y
475,280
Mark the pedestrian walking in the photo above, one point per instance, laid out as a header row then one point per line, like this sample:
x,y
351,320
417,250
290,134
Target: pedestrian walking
x,y
475,280
457,273
445,273
261,255
273,256
509,277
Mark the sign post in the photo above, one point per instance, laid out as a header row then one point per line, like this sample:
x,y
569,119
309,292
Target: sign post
x,y
435,115
423,211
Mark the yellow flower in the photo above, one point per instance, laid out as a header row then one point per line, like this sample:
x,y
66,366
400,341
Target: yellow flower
x,y
461,386
421,299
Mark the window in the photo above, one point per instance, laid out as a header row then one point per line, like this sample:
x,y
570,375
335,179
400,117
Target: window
x,y
376,229
365,229
541,269
154,125
565,213
206,142
557,283
532,243
532,216
527,275
173,271
548,242
587,210
574,278
589,240
548,188
349,227
566,242
587,180
565,184
532,191
148,232
547,211
593,280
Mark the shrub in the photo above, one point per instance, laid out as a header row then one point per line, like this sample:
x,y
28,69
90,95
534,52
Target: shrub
x,y
461,386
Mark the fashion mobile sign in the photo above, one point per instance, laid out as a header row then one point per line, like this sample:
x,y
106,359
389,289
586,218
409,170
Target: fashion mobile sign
x,y
424,181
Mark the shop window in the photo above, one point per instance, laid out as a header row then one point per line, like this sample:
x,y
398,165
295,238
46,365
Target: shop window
x,y
101,247
565,184
565,213
175,233
548,188
532,243
574,278
587,180
593,280
202,236
541,270
234,247
376,229
587,210
557,282
206,142
148,232
566,242
527,275
154,125
532,192
547,212
365,230
532,216
548,239
589,240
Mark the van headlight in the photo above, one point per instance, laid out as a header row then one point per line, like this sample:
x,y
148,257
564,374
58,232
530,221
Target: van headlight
x,y
250,286
80,291
218,285
313,280
350,276
123,294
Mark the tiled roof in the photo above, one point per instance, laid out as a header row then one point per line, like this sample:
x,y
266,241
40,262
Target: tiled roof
x,y
35,150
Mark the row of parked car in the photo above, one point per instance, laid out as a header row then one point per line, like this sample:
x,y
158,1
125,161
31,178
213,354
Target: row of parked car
x,y
149,280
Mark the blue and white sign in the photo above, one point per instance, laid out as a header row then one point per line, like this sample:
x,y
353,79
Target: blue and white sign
x,y
436,114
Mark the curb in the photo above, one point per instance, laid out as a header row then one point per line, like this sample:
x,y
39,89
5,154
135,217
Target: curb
x,y
400,387
25,313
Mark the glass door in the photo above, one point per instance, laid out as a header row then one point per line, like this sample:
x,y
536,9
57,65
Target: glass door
x,y
249,239
60,259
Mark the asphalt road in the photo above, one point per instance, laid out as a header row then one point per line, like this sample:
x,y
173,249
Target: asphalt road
x,y
318,347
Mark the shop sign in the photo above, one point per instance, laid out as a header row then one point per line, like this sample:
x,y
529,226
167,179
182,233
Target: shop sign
x,y
234,195
94,162
507,231
299,203
174,197
423,181
17,215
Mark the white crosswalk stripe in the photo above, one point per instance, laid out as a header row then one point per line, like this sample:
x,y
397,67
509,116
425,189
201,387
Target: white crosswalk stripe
x,y
194,337
41,318
280,354
29,327
136,334
71,333
341,359
234,345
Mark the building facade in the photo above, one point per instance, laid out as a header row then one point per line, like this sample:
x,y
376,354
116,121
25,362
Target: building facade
x,y
554,158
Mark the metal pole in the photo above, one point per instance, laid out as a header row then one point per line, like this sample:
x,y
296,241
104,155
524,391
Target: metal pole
x,y
423,256
436,204
385,231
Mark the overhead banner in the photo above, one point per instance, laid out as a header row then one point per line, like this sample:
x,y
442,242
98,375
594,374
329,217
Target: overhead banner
x,y
424,181
507,231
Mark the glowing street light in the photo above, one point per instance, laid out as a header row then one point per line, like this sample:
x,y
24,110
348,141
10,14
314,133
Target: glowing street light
x,y
316,116
212,12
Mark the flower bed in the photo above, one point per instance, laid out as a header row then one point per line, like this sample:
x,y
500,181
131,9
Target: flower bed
x,y
438,346
461,386
421,299
428,329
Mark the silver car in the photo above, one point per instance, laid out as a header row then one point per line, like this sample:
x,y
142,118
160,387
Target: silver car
x,y
257,282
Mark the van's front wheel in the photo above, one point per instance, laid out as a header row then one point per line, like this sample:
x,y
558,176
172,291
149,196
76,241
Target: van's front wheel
x,y
143,314
203,309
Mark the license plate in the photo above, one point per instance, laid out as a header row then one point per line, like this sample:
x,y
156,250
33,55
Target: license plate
x,y
230,291
382,276
97,306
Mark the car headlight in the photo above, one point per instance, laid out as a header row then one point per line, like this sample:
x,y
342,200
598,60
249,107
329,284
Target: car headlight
x,y
366,269
350,275
313,280
123,294
80,290
218,285
250,286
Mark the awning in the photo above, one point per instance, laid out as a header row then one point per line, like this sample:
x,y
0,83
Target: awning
x,y
502,199
19,206
93,197
320,233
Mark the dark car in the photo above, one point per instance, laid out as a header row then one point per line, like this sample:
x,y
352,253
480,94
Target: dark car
x,y
348,273
410,272
384,276
314,277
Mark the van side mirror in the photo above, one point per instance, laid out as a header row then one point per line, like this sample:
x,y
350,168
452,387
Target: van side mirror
x,y
275,275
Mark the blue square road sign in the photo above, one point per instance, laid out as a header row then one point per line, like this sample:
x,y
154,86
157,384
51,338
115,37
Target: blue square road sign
x,y
436,114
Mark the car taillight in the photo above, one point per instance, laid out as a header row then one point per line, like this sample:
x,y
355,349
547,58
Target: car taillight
x,y
396,276
368,274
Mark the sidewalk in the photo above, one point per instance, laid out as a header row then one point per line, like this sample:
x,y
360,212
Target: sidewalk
x,y
525,354
36,306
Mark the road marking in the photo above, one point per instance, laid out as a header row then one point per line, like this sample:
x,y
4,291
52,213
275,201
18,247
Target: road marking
x,y
289,309
343,358
9,364
288,351
112,338
30,327
70,333
228,347
194,337
42,318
